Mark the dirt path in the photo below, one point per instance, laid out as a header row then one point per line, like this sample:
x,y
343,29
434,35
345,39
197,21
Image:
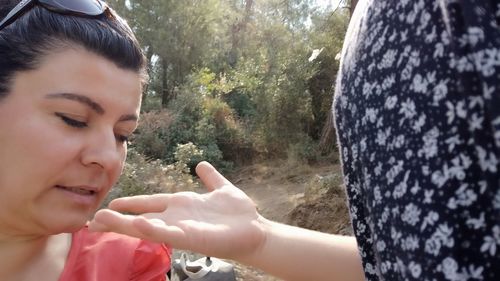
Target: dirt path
x,y
274,198
277,188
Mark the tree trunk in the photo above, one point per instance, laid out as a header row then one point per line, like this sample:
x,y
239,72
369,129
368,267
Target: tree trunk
x,y
165,94
352,6
149,55
237,34
327,140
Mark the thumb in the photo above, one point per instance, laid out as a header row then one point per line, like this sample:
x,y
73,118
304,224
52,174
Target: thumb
x,y
210,177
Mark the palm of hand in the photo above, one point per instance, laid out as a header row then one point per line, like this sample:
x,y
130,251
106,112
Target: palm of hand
x,y
223,222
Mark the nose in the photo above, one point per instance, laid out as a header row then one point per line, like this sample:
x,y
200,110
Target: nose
x,y
102,150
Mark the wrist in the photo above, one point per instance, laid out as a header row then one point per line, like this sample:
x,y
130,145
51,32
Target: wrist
x,y
265,232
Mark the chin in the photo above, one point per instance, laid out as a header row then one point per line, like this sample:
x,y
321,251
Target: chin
x,y
67,224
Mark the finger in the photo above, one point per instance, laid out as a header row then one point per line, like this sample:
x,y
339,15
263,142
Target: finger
x,y
157,231
210,177
137,226
108,220
140,204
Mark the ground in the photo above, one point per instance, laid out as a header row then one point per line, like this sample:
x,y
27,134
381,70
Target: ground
x,y
291,193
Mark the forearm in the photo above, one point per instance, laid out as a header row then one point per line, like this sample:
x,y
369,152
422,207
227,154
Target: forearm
x,y
293,253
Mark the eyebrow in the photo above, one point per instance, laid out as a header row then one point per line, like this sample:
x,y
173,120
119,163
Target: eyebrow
x,y
90,103
79,98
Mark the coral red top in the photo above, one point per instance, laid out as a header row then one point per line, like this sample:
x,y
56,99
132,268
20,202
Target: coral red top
x,y
96,256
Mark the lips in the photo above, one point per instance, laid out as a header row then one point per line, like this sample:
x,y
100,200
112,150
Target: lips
x,y
81,190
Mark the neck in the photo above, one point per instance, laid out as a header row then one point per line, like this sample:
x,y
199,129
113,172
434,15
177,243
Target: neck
x,y
28,258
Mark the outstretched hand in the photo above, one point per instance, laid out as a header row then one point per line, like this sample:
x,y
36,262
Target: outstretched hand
x,y
223,222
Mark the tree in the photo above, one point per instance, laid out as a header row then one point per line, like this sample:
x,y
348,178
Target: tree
x,y
238,62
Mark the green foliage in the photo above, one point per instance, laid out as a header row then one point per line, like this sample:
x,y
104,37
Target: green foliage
x,y
185,155
151,102
212,85
327,35
242,104
214,123
153,130
305,150
186,110
198,116
234,78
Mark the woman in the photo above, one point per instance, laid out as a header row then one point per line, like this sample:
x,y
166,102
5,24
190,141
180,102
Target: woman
x,y
417,109
71,76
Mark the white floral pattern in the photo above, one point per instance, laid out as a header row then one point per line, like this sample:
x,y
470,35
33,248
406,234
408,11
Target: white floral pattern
x,y
417,109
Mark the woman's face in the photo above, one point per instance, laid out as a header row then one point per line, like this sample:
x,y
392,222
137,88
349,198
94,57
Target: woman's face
x,y
63,130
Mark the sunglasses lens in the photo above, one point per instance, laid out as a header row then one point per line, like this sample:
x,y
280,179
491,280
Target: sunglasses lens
x,y
86,7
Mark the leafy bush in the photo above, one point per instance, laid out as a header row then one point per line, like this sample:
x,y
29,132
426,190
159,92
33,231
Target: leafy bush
x,y
151,103
318,186
142,176
152,133
206,120
187,156
305,150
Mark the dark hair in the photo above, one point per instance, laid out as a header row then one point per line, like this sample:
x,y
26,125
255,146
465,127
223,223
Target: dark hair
x,y
39,32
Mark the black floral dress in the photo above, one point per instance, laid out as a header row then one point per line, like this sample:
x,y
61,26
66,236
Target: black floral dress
x,y
417,110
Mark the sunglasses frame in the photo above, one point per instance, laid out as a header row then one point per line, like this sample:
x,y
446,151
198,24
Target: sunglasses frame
x,y
25,5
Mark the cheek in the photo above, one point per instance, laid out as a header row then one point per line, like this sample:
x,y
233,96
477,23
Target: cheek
x,y
117,171
44,147
34,157
60,151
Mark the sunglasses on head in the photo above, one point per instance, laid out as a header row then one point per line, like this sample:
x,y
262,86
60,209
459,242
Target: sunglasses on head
x,y
83,8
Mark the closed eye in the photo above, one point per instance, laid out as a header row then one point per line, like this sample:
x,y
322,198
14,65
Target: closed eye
x,y
70,121
122,138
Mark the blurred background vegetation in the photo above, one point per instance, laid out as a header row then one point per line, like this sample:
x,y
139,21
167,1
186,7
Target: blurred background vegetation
x,y
231,82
